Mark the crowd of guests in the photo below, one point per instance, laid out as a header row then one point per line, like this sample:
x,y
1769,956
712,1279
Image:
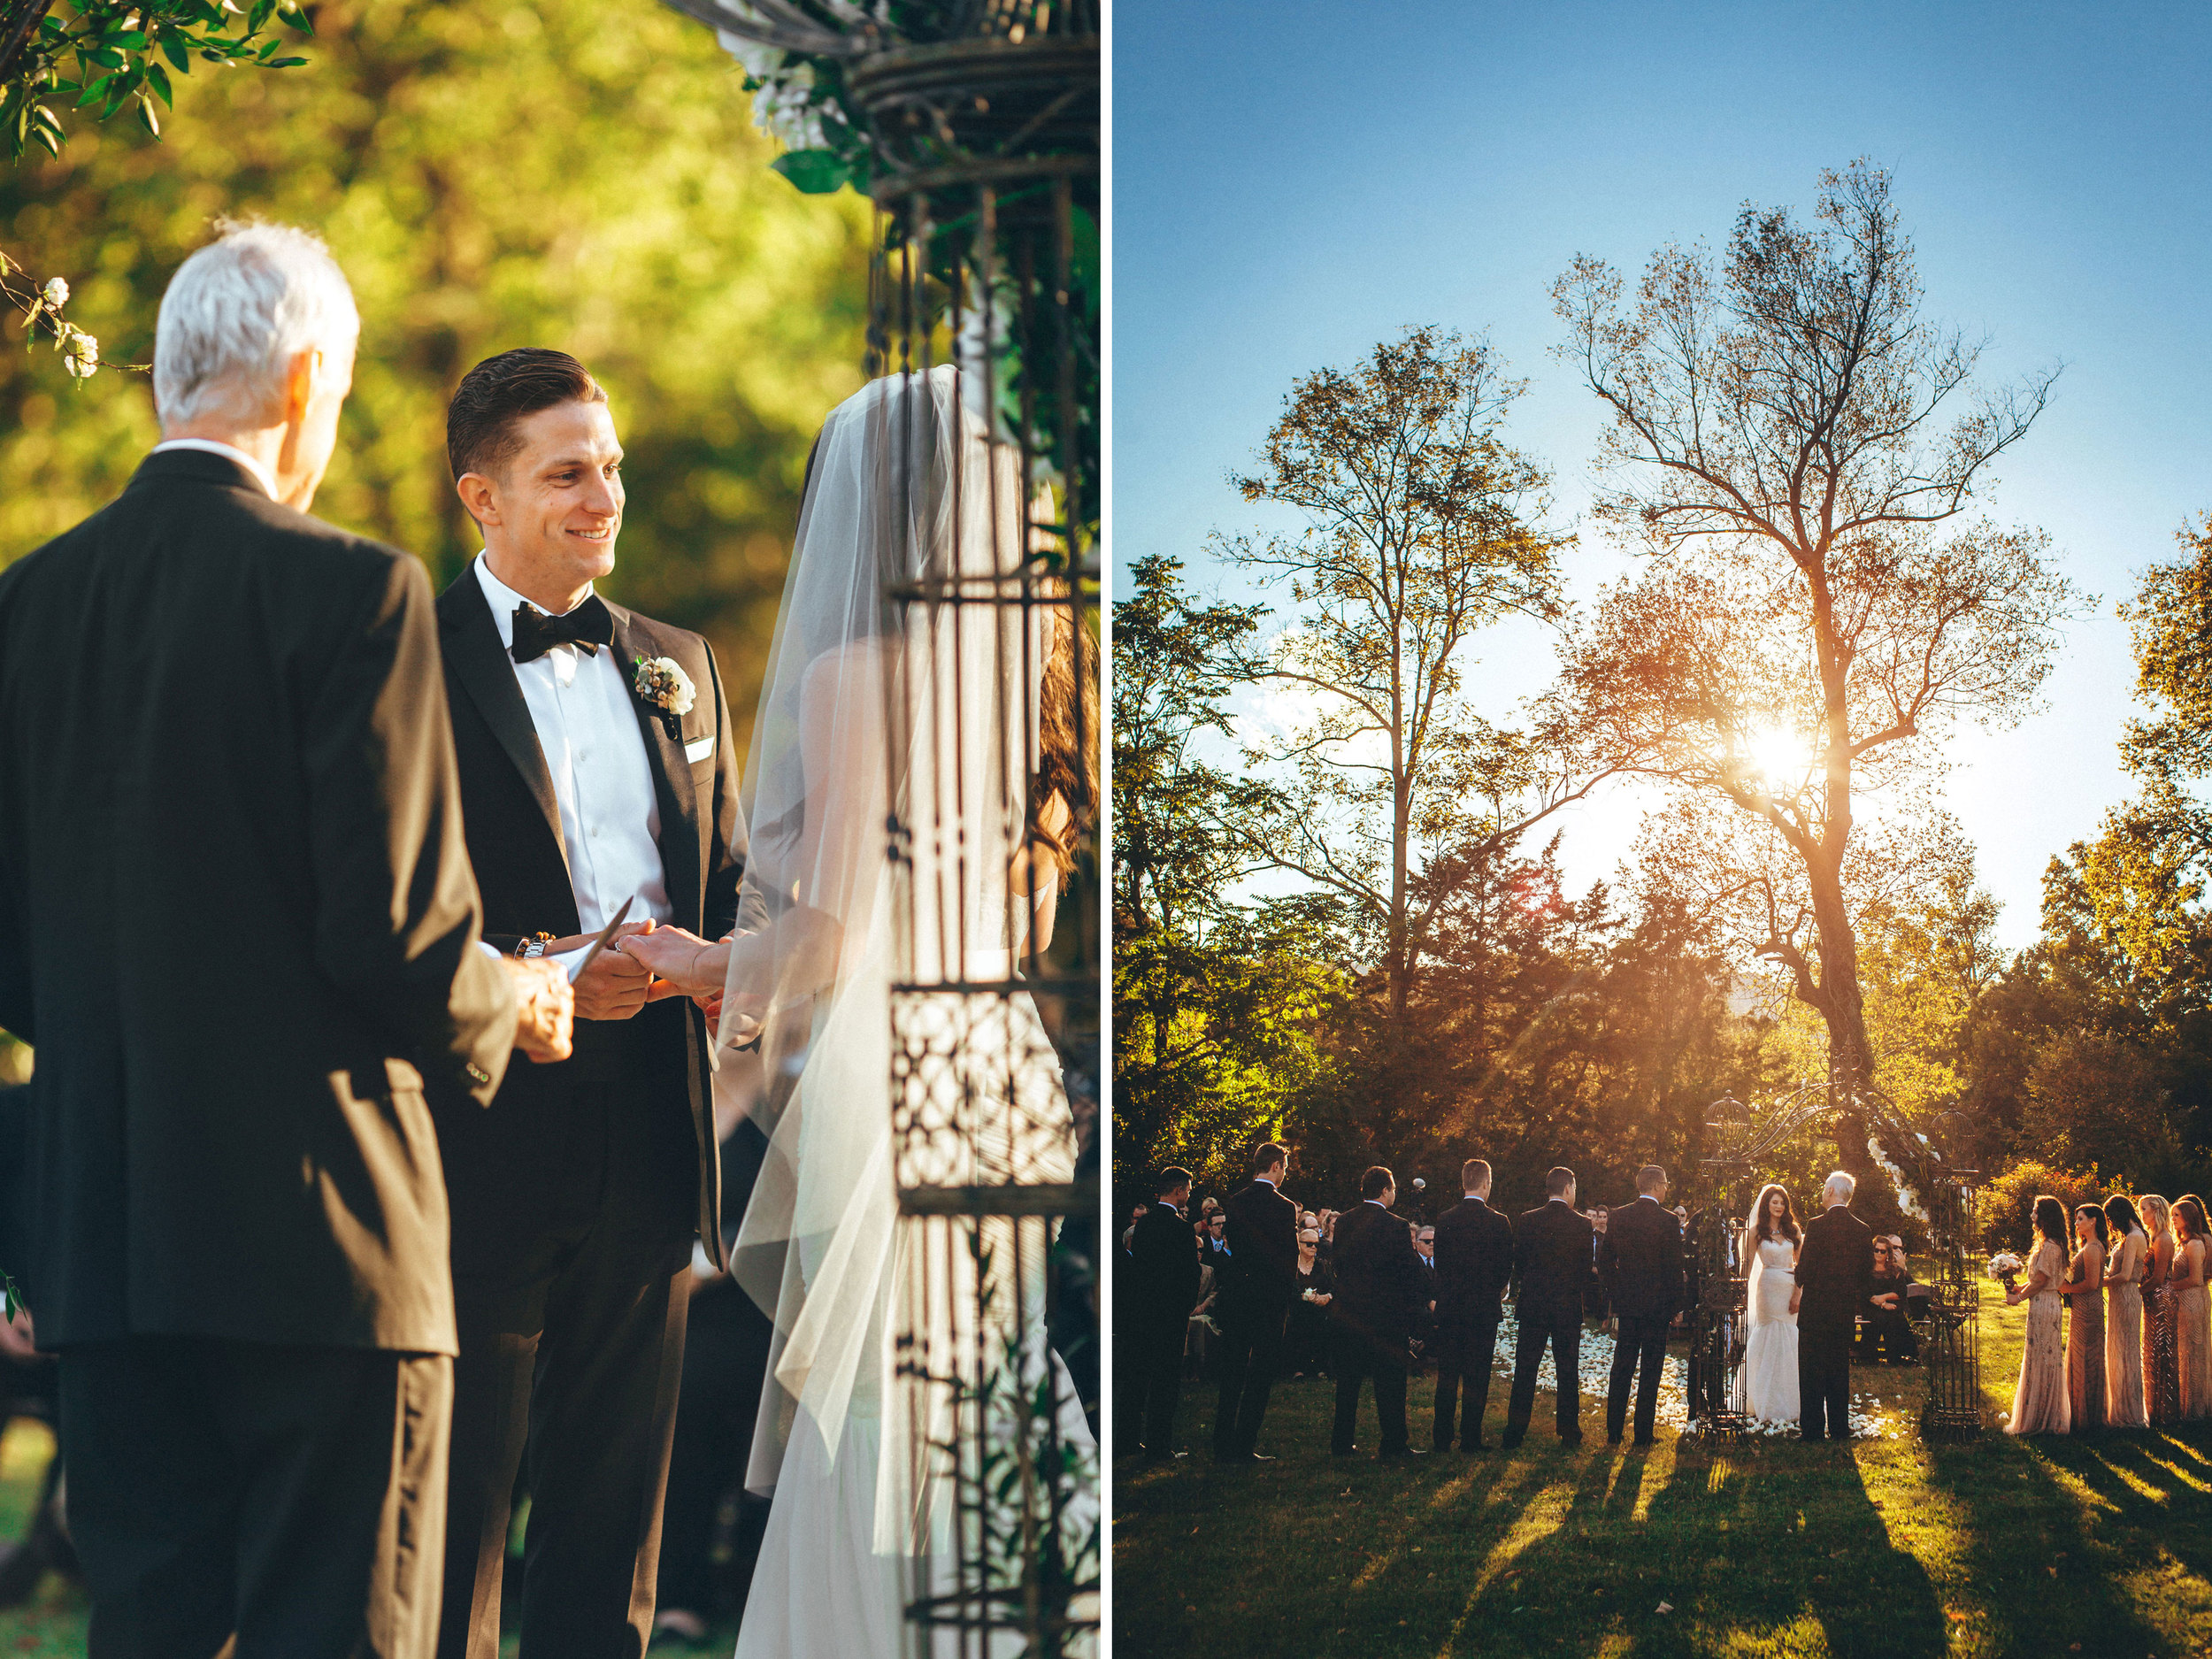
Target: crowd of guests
x,y
2119,1330
1258,1287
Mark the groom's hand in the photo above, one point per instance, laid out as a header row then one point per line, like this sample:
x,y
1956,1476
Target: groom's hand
x,y
615,986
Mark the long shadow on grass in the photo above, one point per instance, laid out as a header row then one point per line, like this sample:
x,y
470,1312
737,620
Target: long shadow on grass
x,y
1749,1541
2047,1563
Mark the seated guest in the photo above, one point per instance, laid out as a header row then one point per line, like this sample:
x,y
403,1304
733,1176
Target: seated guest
x,y
27,1378
1887,1334
1307,1342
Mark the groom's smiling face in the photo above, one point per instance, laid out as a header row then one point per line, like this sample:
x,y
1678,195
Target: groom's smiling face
x,y
551,514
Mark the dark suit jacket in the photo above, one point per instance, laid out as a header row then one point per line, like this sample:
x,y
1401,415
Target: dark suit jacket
x,y
514,841
1262,1266
1381,1289
1553,1260
237,919
1835,1270
1640,1256
1474,1264
1164,1270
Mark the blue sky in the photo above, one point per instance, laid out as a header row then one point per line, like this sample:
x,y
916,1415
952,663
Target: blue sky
x,y
1298,179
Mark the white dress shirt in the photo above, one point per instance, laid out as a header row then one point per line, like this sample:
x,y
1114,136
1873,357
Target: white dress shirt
x,y
586,718
212,447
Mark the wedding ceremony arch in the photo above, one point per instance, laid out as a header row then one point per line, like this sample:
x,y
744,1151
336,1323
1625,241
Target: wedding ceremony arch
x,y
973,125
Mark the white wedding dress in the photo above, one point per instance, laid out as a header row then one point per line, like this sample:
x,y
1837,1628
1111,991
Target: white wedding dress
x,y
873,712
1769,1364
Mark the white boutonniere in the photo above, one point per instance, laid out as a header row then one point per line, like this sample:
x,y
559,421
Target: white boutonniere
x,y
662,685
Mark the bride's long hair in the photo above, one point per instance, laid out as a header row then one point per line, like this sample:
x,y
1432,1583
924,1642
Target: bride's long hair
x,y
1762,1228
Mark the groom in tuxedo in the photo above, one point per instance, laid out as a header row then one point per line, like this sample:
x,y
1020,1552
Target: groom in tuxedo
x,y
1835,1275
236,917
597,768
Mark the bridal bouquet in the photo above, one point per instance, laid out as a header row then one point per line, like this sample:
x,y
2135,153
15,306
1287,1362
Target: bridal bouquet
x,y
2006,1267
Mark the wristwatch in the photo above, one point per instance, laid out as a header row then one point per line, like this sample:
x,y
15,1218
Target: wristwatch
x,y
532,946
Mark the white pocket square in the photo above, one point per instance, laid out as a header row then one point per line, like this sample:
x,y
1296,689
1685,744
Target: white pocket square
x,y
699,749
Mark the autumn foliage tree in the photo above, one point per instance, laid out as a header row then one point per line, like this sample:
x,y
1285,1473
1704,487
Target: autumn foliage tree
x,y
1421,529
1796,445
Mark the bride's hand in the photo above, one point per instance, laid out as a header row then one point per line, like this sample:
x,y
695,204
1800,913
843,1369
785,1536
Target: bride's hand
x,y
686,964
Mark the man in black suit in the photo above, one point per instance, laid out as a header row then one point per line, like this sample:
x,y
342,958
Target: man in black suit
x,y
588,783
1259,1279
1379,1296
1835,1275
1162,1277
1474,1264
1642,1258
1553,1260
237,919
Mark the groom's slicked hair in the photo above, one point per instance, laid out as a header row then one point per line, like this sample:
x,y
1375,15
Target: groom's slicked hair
x,y
498,394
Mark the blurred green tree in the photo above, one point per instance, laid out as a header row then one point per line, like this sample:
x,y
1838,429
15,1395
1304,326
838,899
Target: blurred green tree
x,y
489,175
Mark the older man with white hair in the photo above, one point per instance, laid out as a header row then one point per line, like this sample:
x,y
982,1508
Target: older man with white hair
x,y
1835,1274
237,919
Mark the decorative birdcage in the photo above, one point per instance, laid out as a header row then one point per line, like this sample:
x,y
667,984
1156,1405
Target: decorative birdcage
x,y
973,124
1948,1318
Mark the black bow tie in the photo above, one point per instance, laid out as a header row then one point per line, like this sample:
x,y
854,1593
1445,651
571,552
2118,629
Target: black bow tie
x,y
588,627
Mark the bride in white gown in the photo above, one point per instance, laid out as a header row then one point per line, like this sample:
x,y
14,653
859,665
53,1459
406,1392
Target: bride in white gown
x,y
942,717
1770,1367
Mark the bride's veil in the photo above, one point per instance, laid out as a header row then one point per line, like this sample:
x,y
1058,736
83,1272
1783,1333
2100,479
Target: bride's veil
x,y
873,712
1753,1316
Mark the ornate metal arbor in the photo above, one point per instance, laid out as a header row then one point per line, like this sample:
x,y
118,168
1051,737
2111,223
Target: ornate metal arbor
x,y
1948,1319
974,127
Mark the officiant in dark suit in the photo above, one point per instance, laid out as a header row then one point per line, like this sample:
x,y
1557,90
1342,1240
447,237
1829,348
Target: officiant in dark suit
x,y
1554,1262
597,769
1474,1264
1835,1275
1380,1295
237,919
1640,1256
1256,1276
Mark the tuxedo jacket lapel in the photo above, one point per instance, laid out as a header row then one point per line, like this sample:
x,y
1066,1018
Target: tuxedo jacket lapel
x,y
472,646
683,828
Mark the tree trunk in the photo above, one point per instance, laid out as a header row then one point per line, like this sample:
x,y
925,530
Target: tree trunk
x,y
1842,1007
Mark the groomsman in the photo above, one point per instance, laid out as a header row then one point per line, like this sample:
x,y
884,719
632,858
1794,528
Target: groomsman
x,y
1554,1259
1642,1258
1162,1288
578,1198
1835,1275
1474,1264
1380,1294
1257,1277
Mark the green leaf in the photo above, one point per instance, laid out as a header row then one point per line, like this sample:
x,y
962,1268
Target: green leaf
x,y
146,117
815,171
175,50
158,77
284,63
259,15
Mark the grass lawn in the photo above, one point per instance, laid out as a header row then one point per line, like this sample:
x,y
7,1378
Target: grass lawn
x,y
1880,1546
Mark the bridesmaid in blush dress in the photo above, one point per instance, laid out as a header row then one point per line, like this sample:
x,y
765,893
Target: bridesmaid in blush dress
x,y
2193,1319
2083,1290
2162,1382
2039,1404
2124,1318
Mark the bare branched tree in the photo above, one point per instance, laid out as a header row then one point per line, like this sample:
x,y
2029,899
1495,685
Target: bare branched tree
x,y
1796,445
1423,530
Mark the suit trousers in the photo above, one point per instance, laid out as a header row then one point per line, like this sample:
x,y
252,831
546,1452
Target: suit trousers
x,y
572,1242
293,1497
1251,1355
1149,1384
1466,1355
1824,1386
1560,1327
1639,1351
1358,1358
